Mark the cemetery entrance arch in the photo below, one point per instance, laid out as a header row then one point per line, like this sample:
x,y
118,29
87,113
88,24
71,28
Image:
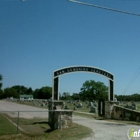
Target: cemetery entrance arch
x,y
58,73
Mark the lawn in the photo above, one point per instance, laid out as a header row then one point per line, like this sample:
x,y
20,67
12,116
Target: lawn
x,y
38,129
6,127
83,109
138,106
70,105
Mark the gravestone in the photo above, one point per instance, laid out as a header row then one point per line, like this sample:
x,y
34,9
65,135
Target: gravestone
x,y
74,108
90,104
79,105
66,107
134,105
63,105
42,104
93,109
95,105
130,107
115,99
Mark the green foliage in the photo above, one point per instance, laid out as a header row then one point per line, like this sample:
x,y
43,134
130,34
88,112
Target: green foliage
x,y
6,127
17,90
1,93
20,89
10,92
43,93
92,90
36,93
29,91
76,96
1,80
133,97
66,96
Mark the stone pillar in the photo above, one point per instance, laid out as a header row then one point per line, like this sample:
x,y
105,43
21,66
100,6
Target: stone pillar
x,y
58,117
109,108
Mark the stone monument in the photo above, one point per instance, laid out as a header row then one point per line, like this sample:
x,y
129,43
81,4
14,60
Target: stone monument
x,y
58,117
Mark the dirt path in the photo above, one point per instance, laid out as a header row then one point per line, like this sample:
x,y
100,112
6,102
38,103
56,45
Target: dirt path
x,y
102,130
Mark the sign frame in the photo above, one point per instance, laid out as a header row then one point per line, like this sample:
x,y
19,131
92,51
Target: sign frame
x,y
89,69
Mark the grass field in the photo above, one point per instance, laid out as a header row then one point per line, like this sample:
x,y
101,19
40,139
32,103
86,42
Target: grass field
x,y
38,129
138,106
6,127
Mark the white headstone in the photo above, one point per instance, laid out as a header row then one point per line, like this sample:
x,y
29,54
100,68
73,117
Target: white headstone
x,y
90,104
79,105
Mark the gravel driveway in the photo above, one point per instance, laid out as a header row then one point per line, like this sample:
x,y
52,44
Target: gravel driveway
x,y
105,130
102,130
31,111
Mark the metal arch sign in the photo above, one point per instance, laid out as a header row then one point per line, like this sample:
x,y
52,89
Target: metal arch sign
x,y
83,69
67,70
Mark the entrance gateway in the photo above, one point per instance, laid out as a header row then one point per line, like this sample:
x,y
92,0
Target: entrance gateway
x,y
67,70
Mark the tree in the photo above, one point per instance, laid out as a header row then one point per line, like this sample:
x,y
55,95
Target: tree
x,y
15,91
0,81
133,97
43,93
92,90
66,96
36,93
75,96
20,89
1,93
101,91
10,92
88,90
29,91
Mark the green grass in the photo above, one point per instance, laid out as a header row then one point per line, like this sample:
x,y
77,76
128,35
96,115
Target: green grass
x,y
138,106
6,127
38,129
83,109
75,132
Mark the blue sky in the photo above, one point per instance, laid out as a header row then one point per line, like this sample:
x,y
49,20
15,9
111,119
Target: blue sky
x,y
40,36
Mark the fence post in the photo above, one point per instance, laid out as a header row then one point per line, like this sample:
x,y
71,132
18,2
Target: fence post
x,y
60,120
18,122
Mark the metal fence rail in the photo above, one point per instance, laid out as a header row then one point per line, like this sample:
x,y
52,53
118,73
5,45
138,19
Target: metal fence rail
x,y
15,117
